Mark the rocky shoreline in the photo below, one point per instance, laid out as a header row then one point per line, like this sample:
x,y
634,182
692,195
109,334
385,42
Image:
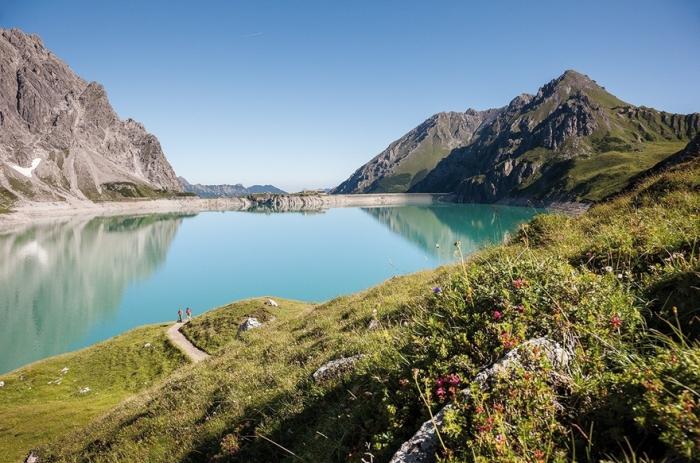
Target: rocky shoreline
x,y
33,212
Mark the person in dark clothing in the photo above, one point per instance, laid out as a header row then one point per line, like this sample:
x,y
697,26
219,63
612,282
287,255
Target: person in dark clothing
x,y
179,315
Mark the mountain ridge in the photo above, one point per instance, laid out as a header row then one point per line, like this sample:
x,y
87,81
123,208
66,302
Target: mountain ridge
x,y
570,141
226,190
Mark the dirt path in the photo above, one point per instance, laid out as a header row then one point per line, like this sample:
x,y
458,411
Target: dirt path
x,y
181,342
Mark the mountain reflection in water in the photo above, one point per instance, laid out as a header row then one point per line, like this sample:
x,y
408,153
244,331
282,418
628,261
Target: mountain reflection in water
x,y
57,280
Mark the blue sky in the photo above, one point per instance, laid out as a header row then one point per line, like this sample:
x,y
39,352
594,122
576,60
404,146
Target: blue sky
x,y
301,93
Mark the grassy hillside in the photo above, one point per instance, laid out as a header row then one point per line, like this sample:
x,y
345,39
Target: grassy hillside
x,y
595,176
43,401
617,286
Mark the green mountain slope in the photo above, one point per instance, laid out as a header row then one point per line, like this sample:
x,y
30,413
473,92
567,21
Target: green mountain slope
x,y
409,159
571,141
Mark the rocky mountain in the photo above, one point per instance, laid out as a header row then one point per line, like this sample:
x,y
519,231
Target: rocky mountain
x,y
60,138
409,159
226,191
572,141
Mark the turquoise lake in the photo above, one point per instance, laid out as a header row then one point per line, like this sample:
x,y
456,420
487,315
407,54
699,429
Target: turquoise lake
x,y
77,281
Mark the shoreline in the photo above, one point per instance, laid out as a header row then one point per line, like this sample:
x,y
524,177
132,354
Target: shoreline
x,y
37,212
40,212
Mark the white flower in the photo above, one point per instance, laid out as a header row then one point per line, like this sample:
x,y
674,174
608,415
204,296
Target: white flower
x,y
2,383
608,269
619,275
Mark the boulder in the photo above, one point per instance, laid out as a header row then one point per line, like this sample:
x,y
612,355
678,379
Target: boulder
x,y
32,458
335,368
249,324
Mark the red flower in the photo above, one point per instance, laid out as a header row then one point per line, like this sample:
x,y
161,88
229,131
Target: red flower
x,y
520,308
616,321
497,315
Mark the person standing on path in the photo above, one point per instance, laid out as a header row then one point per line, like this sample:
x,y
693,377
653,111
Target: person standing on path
x,y
179,315
189,314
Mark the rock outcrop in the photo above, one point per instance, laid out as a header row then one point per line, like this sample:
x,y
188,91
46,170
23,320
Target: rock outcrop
x,y
248,324
335,368
421,448
60,139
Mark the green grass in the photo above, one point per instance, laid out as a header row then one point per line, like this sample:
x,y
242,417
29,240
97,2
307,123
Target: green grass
x,y
617,285
601,175
217,328
40,403
413,168
7,199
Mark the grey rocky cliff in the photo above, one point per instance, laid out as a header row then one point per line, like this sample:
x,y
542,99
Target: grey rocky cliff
x,y
66,127
412,156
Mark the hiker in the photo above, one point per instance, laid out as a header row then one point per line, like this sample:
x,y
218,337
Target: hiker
x,y
189,314
179,315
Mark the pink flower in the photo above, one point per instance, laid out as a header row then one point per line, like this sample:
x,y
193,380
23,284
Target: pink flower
x,y
519,283
616,321
441,393
520,308
497,315
453,380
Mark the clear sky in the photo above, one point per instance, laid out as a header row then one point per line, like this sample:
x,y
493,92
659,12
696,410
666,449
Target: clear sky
x,y
301,93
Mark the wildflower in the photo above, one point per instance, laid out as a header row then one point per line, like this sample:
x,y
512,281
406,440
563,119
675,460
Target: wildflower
x,y
441,393
520,308
500,439
619,276
453,380
519,283
497,315
437,290
616,321
608,269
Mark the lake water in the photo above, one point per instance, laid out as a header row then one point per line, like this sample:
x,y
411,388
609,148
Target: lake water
x,y
81,280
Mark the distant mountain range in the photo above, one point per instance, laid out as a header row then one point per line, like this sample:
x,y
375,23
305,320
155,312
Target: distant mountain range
x,y
61,140
226,191
572,141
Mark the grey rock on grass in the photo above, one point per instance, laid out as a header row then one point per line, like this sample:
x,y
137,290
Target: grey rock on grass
x,y
249,324
335,368
422,446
